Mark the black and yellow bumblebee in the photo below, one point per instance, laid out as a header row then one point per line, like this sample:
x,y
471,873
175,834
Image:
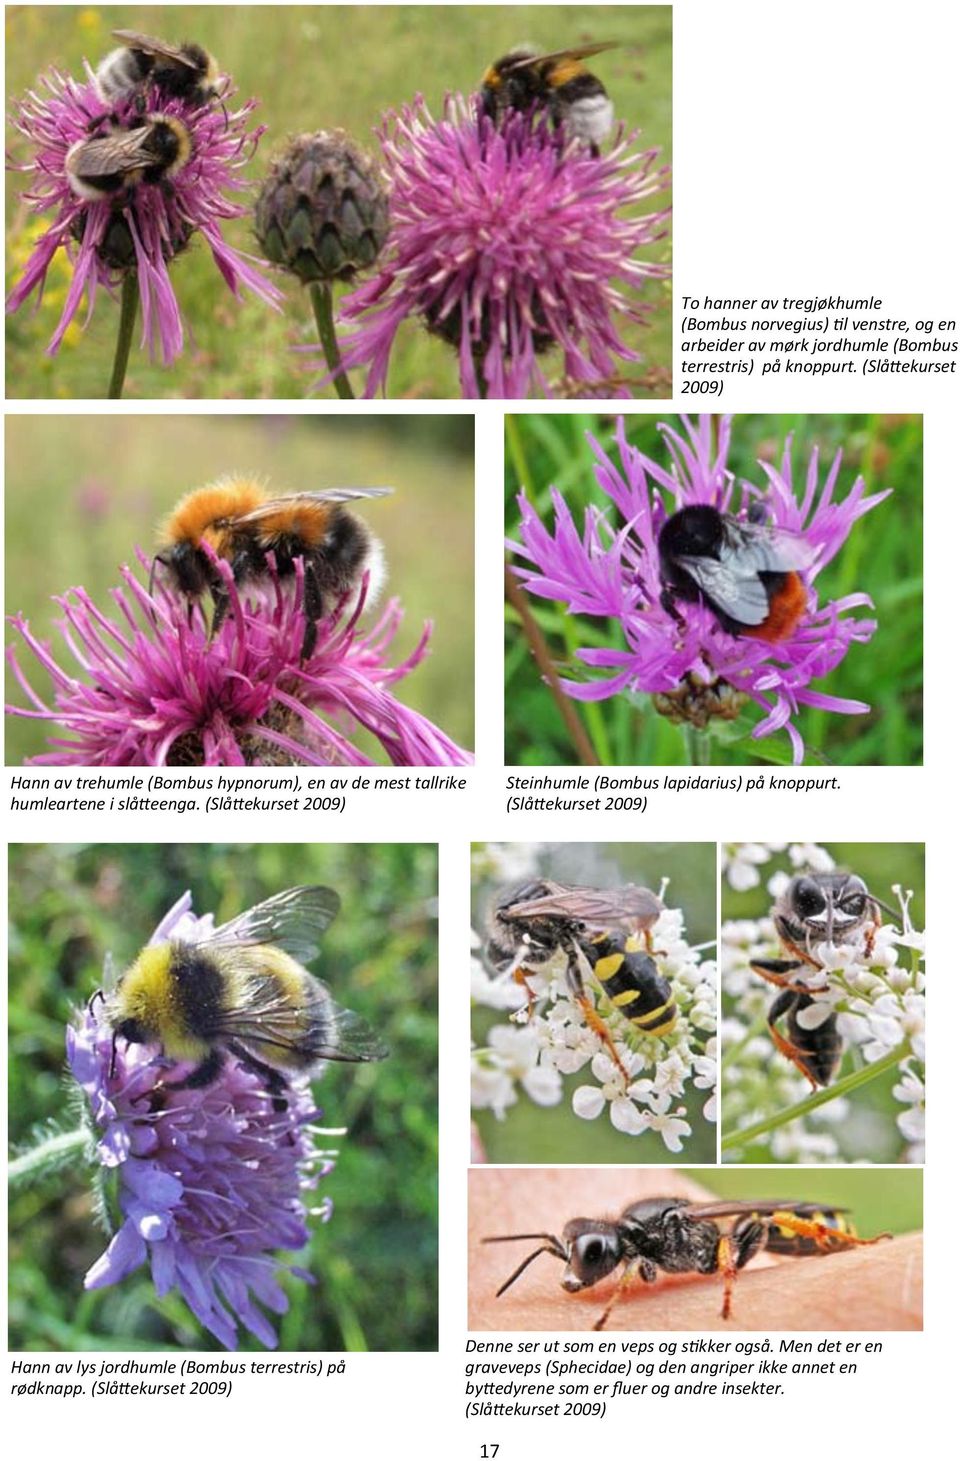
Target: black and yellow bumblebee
x,y
242,990
529,925
186,72
558,83
673,1235
105,168
815,909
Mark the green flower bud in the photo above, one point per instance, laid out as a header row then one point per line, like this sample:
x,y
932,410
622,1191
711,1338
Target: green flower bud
x,y
322,213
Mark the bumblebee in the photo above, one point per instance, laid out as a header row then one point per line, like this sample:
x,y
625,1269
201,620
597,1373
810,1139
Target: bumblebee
x,y
103,169
676,1236
243,990
815,909
185,72
238,520
747,572
531,924
523,81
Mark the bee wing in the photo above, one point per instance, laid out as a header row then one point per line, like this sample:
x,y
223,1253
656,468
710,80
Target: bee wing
x,y
574,53
150,46
268,1021
763,1207
590,905
732,580
329,494
292,920
119,152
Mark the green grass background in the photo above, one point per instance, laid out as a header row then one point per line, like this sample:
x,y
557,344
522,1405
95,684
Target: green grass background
x,y
870,1131
375,1261
83,491
312,67
879,1201
547,1134
882,557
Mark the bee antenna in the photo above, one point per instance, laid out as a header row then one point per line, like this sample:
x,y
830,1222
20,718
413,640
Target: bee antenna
x,y
551,1245
97,994
894,912
113,1056
157,558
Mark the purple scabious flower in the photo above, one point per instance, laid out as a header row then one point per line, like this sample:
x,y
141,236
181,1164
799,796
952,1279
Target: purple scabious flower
x,y
506,241
698,669
210,1182
147,225
154,690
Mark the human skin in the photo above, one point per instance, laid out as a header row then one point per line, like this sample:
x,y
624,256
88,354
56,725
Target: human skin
x,y
873,1287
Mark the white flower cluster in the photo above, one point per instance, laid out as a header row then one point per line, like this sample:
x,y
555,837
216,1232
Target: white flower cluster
x,y
877,997
555,1041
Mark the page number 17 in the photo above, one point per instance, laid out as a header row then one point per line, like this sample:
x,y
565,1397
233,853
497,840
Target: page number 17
x,y
489,1452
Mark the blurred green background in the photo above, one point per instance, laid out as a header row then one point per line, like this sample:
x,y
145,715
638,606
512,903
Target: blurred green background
x,y
375,1262
311,67
882,557
82,492
546,1134
887,1201
869,1130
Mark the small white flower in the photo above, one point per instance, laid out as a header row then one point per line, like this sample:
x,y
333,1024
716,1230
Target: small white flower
x,y
740,860
673,1130
809,856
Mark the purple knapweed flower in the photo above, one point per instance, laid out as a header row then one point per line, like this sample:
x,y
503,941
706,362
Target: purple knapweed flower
x,y
507,241
154,689
148,224
210,1182
697,667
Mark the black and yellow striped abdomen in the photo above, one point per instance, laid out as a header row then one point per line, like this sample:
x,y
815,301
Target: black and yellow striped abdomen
x,y
782,1239
632,983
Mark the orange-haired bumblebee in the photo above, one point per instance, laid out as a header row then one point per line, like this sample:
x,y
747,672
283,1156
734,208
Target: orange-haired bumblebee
x,y
238,520
747,572
814,909
677,1236
104,168
558,83
186,72
243,990
529,925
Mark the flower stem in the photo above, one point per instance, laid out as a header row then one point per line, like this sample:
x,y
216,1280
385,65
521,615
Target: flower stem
x,y
322,297
698,747
819,1098
129,301
50,1152
541,654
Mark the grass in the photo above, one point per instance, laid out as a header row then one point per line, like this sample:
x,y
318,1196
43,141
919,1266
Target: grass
x,y
882,557
104,482
375,1263
311,67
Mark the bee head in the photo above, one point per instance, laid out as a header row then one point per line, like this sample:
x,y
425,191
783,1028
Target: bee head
x,y
593,1248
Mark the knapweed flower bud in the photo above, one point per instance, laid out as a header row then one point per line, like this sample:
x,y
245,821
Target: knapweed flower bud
x,y
322,213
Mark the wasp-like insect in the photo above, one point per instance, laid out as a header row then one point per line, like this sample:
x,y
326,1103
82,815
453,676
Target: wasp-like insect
x,y
814,910
674,1235
604,933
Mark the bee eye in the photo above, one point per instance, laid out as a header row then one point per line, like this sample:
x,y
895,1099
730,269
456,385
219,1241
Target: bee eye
x,y
808,897
854,904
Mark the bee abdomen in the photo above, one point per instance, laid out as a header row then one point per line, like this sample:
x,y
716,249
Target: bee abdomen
x,y
782,1240
640,995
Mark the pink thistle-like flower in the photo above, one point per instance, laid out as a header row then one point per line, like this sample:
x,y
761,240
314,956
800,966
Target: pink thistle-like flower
x,y
211,1182
154,690
698,667
148,224
506,241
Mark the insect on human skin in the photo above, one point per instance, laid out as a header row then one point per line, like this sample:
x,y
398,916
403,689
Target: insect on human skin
x,y
242,990
605,934
672,1235
814,910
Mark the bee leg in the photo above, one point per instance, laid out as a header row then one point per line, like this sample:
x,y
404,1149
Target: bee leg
x,y
312,609
272,1079
735,1251
648,942
775,970
599,1027
825,1237
204,1075
221,604
641,1267
520,976
796,1054
668,602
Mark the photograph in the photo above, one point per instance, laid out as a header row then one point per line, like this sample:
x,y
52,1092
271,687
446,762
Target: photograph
x,y
338,201
223,1097
715,590
685,1250
594,1002
823,1008
239,590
